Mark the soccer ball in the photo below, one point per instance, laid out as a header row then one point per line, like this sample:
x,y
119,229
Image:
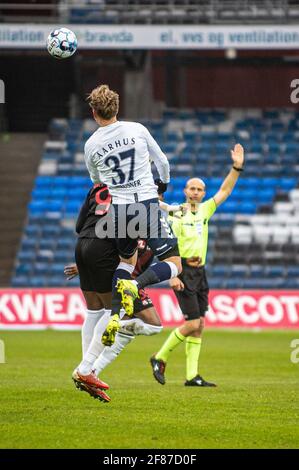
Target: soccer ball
x,y
62,43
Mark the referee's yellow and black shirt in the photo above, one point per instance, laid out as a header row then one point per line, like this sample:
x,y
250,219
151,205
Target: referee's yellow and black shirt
x,y
192,230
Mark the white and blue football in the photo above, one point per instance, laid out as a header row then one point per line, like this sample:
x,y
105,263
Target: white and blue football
x,y
62,43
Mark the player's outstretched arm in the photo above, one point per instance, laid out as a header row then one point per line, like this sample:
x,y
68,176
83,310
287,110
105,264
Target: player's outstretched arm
x,y
170,209
228,184
71,271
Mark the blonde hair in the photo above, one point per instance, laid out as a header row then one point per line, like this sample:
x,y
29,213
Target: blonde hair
x,y
104,102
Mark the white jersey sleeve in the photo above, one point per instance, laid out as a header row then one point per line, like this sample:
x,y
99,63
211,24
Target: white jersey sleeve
x,y
92,169
159,158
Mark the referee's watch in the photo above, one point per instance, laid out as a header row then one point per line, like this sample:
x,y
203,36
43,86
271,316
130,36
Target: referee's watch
x,y
238,169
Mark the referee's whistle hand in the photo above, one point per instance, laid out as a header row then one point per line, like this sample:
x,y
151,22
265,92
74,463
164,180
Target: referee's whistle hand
x,y
194,262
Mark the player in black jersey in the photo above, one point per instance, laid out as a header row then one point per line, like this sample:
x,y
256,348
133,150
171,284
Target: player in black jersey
x,y
96,261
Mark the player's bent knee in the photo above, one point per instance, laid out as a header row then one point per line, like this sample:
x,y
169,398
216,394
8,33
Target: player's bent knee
x,y
129,259
150,316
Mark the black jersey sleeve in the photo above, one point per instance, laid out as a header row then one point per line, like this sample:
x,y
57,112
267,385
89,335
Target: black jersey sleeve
x,y
83,214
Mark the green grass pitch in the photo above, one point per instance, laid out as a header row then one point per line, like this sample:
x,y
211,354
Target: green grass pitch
x,y
254,406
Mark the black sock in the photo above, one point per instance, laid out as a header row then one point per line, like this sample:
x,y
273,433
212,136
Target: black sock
x,y
116,297
154,274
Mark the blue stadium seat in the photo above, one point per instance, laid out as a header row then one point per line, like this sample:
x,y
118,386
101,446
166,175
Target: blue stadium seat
x,y
293,271
256,271
54,205
78,181
57,269
234,283
48,243
220,271
248,194
40,193
37,207
23,269
66,241
45,256
266,195
275,271
58,281
61,255
38,281
58,192
77,193
216,282
65,169
230,206
51,231
43,181
60,181
287,183
291,283
26,256
251,283
179,182
247,208
72,207
29,243
269,182
20,281
239,270
32,230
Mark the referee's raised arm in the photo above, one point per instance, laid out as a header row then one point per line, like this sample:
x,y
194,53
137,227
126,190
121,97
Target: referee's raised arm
x,y
228,184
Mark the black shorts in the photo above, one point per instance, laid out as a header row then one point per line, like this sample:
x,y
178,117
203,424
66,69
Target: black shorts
x,y
96,259
153,227
194,299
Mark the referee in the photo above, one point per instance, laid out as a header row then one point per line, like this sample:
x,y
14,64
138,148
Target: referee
x,y
191,286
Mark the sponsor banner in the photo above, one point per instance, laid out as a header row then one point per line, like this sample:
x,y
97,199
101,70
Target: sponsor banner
x,y
64,308
34,36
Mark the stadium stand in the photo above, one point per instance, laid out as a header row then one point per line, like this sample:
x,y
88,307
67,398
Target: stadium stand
x,y
16,177
252,242
151,11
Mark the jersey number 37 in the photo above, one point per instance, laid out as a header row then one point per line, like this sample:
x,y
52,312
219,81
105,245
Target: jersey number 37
x,y
115,163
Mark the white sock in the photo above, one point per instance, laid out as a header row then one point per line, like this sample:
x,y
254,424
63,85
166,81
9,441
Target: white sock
x,y
110,353
126,267
137,327
91,319
174,269
96,346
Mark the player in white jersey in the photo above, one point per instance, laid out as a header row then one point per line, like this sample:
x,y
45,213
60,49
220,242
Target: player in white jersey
x,y
118,154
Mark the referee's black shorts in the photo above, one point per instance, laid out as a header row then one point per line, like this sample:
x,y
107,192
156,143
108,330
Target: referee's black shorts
x,y
194,299
96,259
